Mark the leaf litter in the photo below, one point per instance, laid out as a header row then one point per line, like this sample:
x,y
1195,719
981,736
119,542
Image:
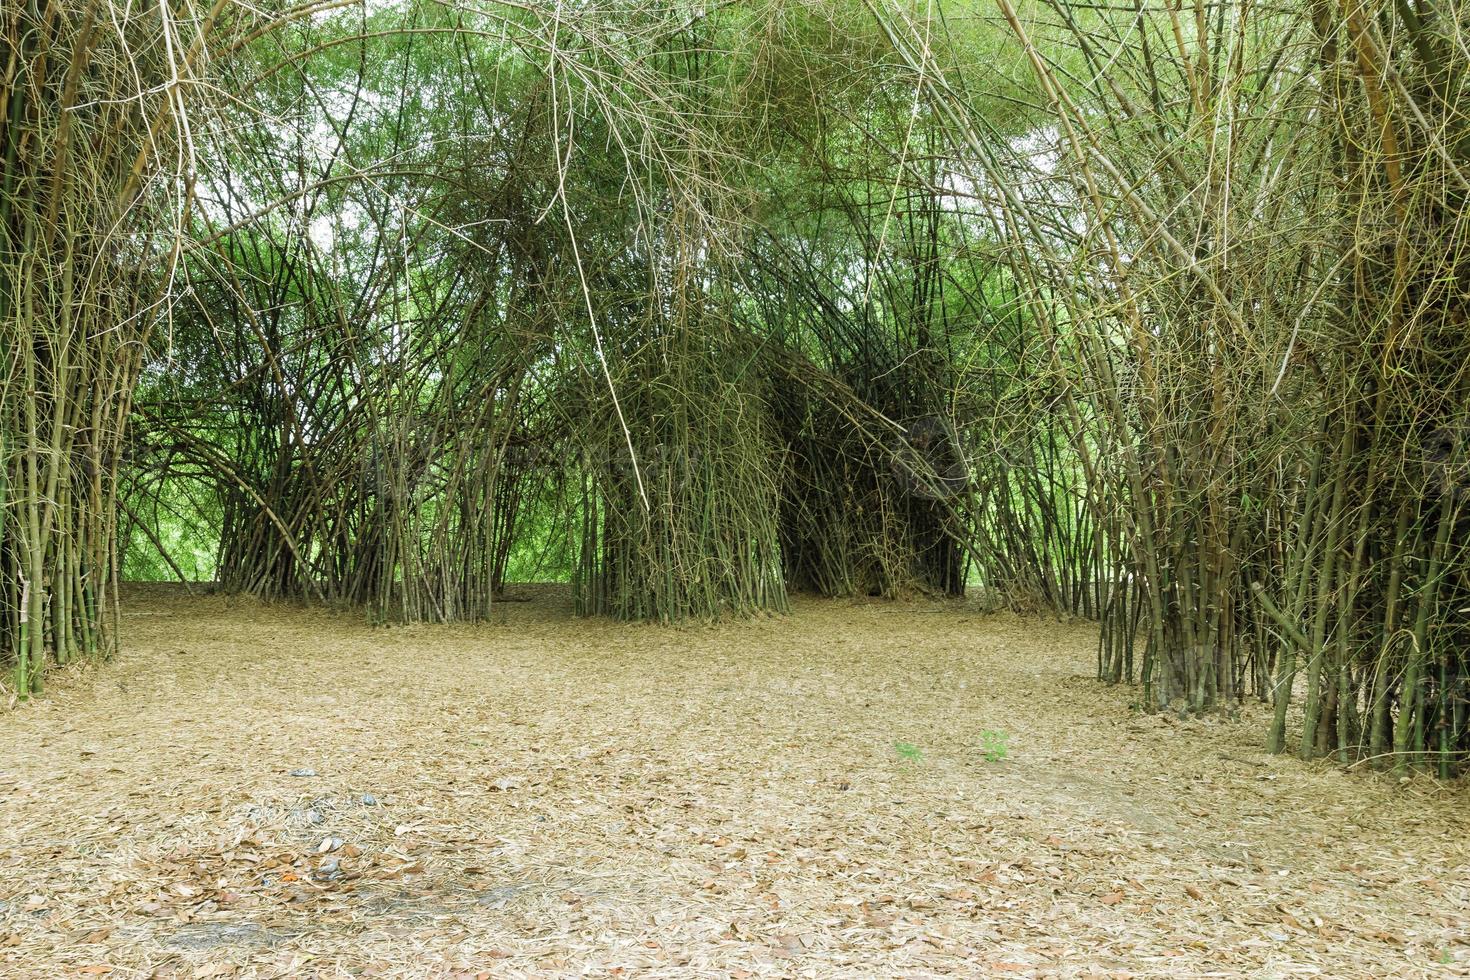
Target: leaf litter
x,y
547,796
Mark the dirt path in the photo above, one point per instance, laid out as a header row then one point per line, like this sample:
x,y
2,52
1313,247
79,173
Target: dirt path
x,y
798,797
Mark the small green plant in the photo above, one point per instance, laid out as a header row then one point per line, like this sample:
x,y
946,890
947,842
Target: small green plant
x,y
994,744
908,752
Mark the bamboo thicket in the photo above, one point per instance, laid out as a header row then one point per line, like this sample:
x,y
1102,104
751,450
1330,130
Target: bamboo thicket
x,y
1149,314
1238,234
94,192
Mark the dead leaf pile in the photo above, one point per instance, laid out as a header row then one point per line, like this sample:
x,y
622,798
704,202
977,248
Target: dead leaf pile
x,y
271,791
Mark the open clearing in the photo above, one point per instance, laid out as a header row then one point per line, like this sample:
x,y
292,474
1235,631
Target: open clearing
x,y
806,796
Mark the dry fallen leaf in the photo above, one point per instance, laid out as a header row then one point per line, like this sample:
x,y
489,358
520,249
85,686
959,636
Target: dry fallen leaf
x,y
883,880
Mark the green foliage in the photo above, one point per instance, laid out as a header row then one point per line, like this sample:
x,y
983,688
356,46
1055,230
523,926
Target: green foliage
x,y
994,744
907,752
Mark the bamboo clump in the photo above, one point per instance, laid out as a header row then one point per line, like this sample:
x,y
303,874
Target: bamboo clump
x,y
95,181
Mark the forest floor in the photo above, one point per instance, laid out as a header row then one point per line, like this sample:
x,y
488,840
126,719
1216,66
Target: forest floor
x,y
270,791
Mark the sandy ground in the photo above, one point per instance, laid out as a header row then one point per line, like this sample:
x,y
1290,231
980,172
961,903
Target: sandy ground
x,y
271,791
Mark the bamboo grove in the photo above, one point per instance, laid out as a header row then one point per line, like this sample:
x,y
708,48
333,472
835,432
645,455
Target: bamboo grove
x,y
89,193
1149,313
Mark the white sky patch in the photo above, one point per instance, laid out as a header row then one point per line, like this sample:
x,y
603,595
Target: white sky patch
x,y
323,233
